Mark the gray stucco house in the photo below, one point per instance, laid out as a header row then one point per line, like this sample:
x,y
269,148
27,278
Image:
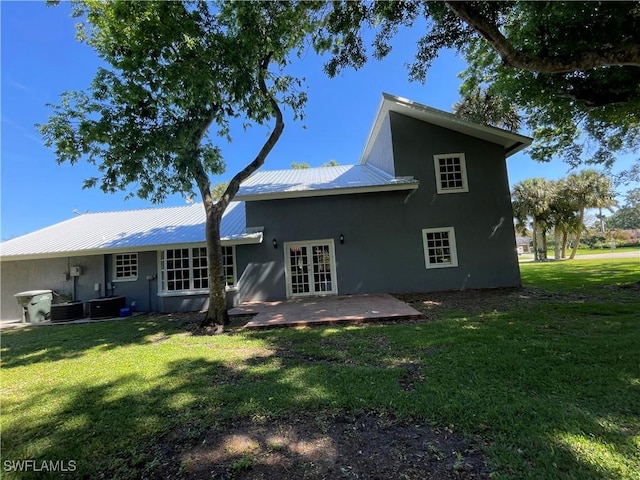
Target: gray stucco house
x,y
427,208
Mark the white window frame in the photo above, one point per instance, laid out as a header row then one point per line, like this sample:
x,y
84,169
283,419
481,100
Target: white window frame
x,y
163,281
463,172
453,250
128,278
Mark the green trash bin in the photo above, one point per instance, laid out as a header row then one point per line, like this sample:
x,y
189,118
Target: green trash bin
x,y
36,305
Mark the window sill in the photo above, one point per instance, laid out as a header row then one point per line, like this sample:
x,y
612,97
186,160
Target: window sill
x,y
187,293
443,265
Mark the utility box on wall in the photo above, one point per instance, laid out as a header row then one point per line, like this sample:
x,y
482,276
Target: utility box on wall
x,y
75,271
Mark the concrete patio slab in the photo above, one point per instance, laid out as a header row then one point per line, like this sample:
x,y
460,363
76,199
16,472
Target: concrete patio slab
x,y
313,311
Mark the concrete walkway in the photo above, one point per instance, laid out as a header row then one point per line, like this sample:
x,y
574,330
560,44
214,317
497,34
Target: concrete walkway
x,y
330,310
528,257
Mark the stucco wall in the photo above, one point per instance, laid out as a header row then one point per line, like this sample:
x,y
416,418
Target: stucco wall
x,y
47,274
141,291
383,249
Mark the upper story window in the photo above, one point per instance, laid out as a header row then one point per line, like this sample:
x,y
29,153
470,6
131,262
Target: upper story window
x,y
125,266
185,269
451,173
440,247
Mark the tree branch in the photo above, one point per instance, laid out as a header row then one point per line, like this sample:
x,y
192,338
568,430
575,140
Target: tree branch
x,y
234,184
627,55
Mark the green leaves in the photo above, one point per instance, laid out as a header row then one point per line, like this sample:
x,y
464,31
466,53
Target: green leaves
x,y
572,68
175,75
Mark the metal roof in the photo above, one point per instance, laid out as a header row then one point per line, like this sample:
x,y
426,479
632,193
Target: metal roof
x,y
512,142
97,233
312,182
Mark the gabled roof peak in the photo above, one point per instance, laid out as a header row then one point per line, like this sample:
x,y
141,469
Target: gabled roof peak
x,y
512,142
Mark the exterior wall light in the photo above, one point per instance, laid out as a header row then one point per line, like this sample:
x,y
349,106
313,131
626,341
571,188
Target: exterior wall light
x,y
275,243
341,238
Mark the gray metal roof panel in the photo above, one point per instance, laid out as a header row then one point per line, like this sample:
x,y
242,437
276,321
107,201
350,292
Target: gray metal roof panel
x,y
319,181
128,229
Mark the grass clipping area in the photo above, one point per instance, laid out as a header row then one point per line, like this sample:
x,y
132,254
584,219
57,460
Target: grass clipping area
x,y
538,382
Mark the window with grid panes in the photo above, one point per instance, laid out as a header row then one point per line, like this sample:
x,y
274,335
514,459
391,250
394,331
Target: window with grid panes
x,y
185,269
451,173
229,265
200,273
176,270
440,247
126,266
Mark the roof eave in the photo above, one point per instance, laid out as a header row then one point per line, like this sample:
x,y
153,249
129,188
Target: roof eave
x,y
253,236
512,142
328,192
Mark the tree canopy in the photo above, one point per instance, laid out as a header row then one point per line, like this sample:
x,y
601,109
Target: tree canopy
x,y
176,75
573,68
628,215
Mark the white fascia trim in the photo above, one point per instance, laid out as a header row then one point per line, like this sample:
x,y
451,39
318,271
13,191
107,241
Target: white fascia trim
x,y
249,238
331,191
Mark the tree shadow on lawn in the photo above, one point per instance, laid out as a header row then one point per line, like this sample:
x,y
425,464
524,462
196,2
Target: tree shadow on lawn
x,y
386,401
24,346
549,397
205,419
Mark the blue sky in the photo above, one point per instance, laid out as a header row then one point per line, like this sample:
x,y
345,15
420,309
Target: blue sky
x,y
41,59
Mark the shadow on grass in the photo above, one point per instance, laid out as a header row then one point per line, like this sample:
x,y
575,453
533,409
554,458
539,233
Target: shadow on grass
x,y
549,387
536,404
24,346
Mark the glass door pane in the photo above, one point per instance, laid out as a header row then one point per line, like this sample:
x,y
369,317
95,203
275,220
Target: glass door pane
x,y
299,266
321,261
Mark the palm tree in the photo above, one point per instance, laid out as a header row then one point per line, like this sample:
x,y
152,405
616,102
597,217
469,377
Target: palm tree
x,y
483,107
532,198
588,189
564,217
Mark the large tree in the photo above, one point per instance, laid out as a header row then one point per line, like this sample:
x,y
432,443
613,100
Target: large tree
x,y
482,107
175,76
572,67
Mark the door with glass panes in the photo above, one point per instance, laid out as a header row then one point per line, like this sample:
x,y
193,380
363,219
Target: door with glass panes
x,y
311,268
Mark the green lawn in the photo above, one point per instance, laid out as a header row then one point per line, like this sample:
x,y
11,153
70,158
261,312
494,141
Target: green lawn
x,y
594,251
548,381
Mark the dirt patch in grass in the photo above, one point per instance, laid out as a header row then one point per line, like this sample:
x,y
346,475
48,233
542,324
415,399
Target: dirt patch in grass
x,y
473,302
366,446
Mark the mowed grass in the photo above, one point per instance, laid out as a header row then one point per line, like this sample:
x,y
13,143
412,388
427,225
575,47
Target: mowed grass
x,y
547,383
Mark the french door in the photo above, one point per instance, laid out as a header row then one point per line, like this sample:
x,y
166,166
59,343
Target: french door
x,y
310,268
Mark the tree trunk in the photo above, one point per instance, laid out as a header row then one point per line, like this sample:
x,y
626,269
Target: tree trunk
x,y
217,313
539,241
534,234
557,240
578,235
565,239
